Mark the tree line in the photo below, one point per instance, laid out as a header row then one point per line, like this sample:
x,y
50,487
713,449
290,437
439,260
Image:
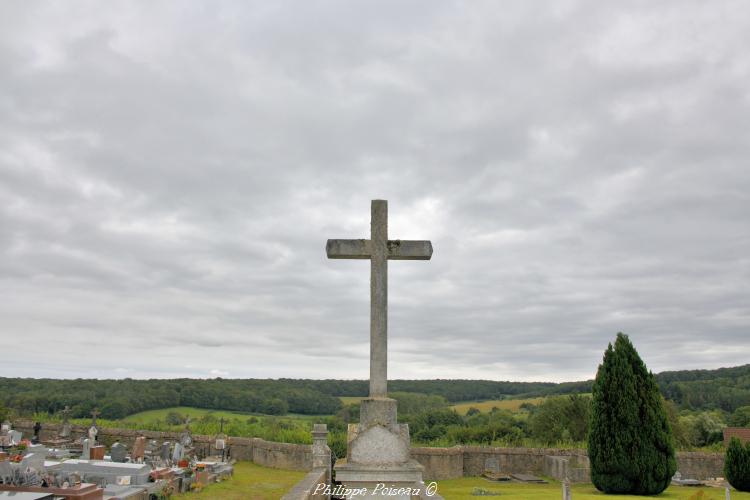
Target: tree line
x,y
117,399
725,389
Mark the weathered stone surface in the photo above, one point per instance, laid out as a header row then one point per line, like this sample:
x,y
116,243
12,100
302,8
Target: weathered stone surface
x,y
379,445
378,411
362,249
118,452
379,249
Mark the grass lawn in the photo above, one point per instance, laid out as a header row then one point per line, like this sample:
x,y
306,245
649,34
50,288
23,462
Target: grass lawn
x,y
503,404
250,482
461,489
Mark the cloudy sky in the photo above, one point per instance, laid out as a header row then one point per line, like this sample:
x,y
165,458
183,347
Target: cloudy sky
x,y
170,172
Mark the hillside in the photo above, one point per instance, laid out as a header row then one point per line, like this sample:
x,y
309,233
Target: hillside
x,y
723,388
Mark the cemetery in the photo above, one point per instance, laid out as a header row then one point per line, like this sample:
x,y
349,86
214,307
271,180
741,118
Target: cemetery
x,y
73,462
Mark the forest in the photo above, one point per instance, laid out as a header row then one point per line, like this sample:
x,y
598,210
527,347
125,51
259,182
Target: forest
x,y
724,389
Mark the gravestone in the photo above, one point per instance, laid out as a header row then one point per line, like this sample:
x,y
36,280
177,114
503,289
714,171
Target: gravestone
x,y
177,453
86,451
492,465
101,472
492,470
139,449
378,448
164,453
34,460
186,440
65,431
15,436
118,452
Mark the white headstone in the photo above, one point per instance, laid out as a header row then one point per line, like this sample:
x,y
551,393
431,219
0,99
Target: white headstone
x,y
177,453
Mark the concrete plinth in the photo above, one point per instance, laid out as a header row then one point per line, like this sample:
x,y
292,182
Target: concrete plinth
x,y
378,459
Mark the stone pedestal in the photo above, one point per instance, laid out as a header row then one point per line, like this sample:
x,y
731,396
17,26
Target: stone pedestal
x,y
378,455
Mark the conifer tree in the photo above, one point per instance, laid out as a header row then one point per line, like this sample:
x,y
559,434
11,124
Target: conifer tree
x,y
630,442
737,465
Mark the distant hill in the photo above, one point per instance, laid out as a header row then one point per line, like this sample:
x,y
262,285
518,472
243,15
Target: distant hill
x,y
723,388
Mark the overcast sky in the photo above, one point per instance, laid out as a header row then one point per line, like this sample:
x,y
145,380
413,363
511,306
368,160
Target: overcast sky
x,y
170,172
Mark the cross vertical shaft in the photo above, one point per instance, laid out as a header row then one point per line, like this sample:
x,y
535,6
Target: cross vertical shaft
x,y
379,249
379,299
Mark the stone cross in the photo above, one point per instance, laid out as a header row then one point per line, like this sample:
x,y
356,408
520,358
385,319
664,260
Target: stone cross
x,y
379,249
94,413
66,414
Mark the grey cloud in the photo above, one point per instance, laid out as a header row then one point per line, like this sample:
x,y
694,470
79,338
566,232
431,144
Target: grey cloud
x,y
169,175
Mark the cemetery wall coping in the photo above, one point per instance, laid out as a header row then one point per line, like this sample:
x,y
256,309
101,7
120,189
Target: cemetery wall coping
x,y
305,489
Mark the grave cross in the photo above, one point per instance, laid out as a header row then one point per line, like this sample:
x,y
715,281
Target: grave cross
x,y
379,249
221,424
66,414
94,413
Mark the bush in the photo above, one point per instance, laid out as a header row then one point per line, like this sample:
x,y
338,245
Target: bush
x,y
174,418
630,441
740,417
563,418
737,465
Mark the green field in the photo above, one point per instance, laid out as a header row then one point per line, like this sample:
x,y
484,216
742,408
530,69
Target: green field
x,y
193,413
462,408
462,489
351,400
503,404
250,482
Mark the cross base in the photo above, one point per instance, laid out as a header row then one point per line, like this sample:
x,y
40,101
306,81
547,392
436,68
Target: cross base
x,y
378,454
395,481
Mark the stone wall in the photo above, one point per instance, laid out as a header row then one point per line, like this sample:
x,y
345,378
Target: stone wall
x,y
449,463
439,463
312,487
698,465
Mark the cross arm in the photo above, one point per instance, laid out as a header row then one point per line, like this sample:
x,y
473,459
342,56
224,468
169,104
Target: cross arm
x,y
409,250
362,249
348,249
